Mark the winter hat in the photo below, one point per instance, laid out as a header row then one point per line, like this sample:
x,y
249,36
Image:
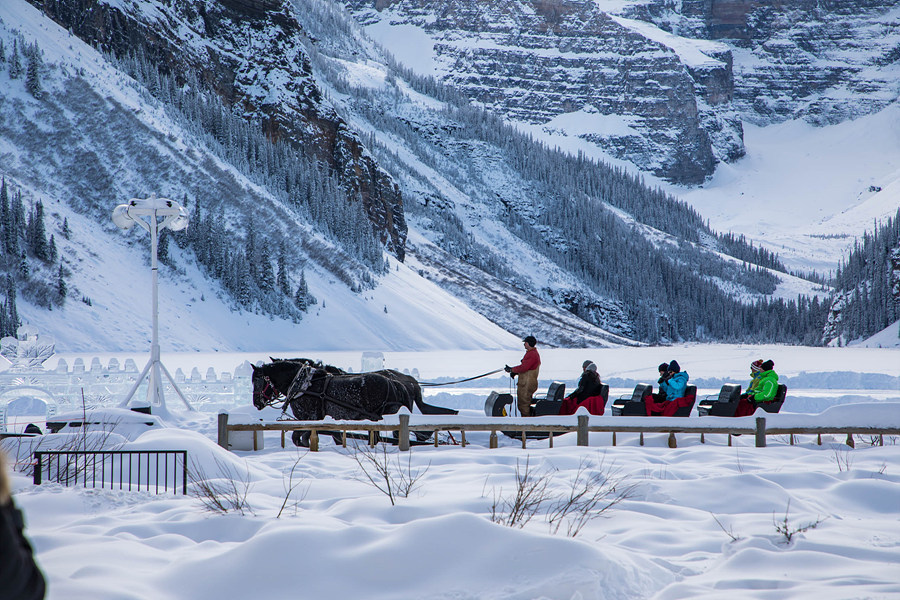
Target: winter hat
x,y
756,366
585,364
530,339
663,367
673,366
591,367
768,365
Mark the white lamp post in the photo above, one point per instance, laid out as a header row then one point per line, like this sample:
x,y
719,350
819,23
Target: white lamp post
x,y
146,213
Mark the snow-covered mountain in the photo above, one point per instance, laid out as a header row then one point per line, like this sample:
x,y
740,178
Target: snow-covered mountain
x,y
496,234
663,85
96,139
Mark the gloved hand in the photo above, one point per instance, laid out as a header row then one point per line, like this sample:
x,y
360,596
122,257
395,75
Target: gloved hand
x,y
661,379
508,369
511,374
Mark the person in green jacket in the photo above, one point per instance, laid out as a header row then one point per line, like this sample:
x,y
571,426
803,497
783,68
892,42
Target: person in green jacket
x,y
764,388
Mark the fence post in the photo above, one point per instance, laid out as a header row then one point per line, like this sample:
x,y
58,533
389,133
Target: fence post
x,y
38,468
313,440
223,430
493,440
582,435
850,440
760,432
404,433
672,442
184,473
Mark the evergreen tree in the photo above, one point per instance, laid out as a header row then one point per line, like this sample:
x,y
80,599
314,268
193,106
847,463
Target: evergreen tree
x,y
162,247
6,226
33,74
52,253
284,286
2,53
66,233
301,297
36,233
265,274
17,223
61,287
24,269
12,313
15,63
866,298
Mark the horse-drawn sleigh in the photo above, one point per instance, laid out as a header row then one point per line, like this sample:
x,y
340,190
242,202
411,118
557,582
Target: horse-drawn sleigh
x,y
314,391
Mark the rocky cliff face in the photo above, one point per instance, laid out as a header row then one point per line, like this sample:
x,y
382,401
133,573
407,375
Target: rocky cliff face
x,y
681,76
823,61
537,61
251,54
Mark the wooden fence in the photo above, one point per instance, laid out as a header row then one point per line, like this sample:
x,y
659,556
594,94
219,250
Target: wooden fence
x,y
670,425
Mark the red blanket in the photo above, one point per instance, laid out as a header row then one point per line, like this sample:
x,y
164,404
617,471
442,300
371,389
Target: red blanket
x,y
666,408
746,407
595,405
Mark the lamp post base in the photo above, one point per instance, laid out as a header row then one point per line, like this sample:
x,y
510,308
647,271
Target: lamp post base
x,y
155,397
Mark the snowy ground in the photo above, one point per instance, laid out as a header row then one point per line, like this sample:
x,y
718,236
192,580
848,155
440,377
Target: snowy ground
x,y
700,521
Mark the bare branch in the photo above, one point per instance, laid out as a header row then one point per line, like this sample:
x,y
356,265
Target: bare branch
x,y
224,493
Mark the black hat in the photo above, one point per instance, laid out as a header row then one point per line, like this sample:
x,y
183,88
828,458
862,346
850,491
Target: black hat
x,y
585,364
768,365
674,367
530,340
663,367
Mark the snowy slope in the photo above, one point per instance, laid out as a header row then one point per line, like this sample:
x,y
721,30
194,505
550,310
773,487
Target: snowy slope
x,y
404,312
806,192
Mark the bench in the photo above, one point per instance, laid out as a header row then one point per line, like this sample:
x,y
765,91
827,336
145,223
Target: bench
x,y
724,405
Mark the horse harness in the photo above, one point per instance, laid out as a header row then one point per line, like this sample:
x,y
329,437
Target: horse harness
x,y
299,387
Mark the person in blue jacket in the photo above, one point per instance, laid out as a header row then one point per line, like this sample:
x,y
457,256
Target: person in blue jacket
x,y
672,382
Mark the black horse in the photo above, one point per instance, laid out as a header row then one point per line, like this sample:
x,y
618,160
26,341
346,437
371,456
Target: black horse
x,y
410,383
312,392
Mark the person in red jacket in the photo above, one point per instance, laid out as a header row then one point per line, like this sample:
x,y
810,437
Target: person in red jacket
x,y
527,371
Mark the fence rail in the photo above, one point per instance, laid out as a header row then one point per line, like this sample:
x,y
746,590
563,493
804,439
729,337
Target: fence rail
x,y
129,469
670,425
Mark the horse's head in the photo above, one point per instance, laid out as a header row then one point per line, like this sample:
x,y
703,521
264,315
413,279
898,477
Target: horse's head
x,y
268,383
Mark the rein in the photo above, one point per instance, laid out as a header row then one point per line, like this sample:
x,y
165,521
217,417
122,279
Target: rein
x,y
460,381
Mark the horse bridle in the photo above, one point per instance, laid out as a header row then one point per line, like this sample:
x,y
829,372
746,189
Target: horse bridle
x,y
269,393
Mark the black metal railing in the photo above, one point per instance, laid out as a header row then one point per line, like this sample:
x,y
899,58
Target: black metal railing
x,y
114,469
